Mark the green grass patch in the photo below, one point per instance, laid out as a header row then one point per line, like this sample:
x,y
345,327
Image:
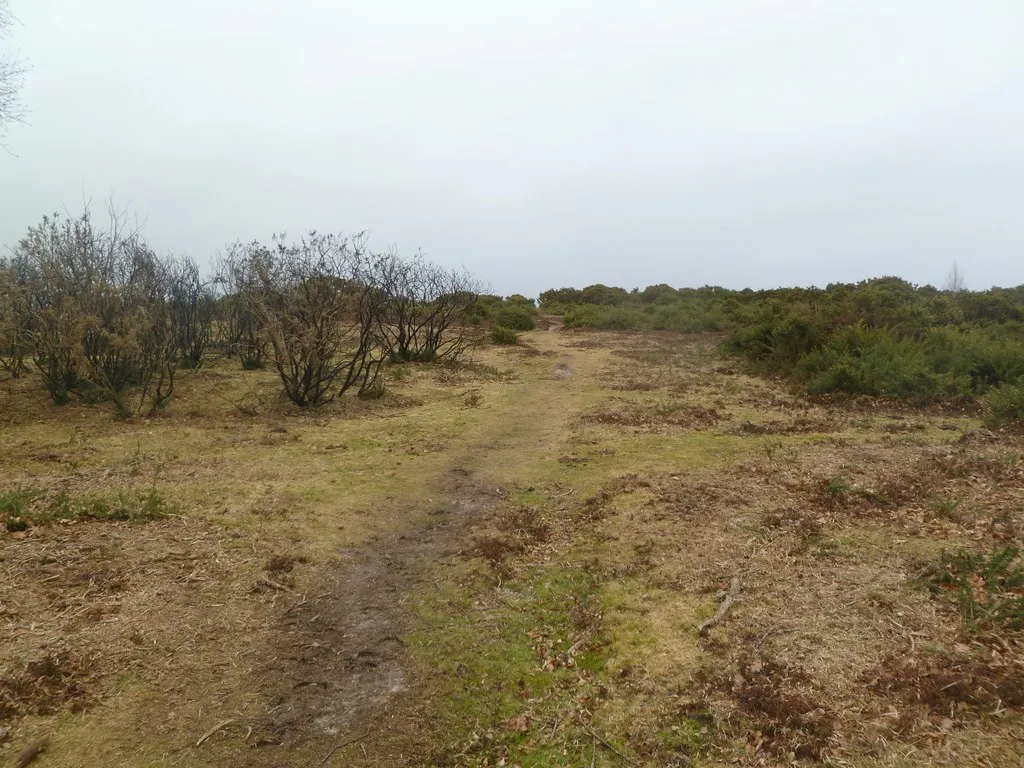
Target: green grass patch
x,y
22,509
507,662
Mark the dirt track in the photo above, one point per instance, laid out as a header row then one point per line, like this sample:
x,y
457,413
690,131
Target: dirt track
x,y
338,660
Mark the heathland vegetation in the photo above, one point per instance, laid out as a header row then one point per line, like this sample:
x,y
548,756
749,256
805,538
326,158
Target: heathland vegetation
x,y
356,510
882,338
105,318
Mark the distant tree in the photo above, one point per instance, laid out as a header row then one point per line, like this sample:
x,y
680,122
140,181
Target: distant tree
x,y
518,298
12,73
603,294
561,296
955,281
192,308
662,292
15,326
240,326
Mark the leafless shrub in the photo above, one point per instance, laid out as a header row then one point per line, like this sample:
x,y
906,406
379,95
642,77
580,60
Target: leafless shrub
x,y
192,306
318,314
956,281
106,319
12,75
15,327
426,310
99,316
241,328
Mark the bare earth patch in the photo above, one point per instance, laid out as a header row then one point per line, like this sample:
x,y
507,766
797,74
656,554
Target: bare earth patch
x,y
338,658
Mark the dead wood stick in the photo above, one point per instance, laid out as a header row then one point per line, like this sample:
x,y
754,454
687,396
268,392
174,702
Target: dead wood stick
x,y
275,585
727,603
219,726
577,645
31,752
606,745
295,607
348,743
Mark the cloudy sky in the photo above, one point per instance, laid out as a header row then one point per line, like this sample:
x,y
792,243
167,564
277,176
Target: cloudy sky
x,y
543,143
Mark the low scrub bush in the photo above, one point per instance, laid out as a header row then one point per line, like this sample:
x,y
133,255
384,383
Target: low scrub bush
x,y
883,337
1005,404
12,509
516,317
107,319
502,335
608,318
776,344
861,361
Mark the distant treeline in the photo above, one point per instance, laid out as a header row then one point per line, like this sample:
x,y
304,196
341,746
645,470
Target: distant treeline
x,y
881,337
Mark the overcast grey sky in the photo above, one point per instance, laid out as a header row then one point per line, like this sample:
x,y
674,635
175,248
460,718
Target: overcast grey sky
x,y
543,143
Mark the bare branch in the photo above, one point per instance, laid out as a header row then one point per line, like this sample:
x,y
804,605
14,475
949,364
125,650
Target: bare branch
x,y
12,76
955,280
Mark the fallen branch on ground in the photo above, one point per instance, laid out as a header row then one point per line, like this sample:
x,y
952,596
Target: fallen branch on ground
x,y
606,745
218,727
727,603
31,752
342,746
275,585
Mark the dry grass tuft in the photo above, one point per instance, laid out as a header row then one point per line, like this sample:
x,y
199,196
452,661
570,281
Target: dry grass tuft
x,y
655,415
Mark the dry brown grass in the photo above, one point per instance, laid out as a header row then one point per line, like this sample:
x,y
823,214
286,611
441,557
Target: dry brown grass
x,y
834,653
655,415
624,504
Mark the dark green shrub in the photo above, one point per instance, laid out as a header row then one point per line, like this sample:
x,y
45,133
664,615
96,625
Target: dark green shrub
x,y
604,318
501,335
690,317
1005,405
516,317
778,344
603,294
862,361
882,337
560,296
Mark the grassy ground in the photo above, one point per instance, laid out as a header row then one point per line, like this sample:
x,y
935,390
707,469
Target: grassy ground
x,y
619,489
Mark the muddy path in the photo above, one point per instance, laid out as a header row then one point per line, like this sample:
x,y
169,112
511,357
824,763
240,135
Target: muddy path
x,y
338,659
